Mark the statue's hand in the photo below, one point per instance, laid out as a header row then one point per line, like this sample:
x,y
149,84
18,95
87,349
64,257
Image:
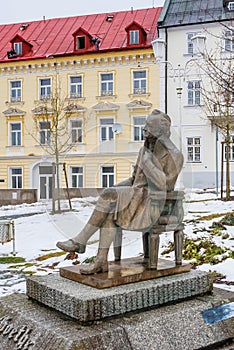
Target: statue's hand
x,y
147,156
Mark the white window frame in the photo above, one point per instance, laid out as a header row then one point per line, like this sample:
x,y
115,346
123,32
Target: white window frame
x,y
45,91
76,86
228,40
78,131
138,127
45,131
106,86
107,175
79,176
231,158
189,42
230,6
193,147
134,37
17,91
17,133
139,84
16,176
18,48
106,125
193,93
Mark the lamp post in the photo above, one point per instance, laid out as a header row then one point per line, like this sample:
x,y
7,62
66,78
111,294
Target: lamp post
x,y
179,73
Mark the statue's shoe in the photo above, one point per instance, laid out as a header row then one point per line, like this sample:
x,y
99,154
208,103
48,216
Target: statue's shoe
x,y
97,266
71,246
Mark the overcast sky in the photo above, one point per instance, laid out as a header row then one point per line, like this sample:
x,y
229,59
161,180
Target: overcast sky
x,y
14,11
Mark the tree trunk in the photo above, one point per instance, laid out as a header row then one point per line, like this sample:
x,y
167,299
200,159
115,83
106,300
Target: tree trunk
x,y
228,189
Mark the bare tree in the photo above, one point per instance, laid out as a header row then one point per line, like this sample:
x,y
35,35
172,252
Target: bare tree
x,y
217,89
56,141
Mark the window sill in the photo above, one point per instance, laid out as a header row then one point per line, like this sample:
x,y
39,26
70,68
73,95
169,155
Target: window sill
x,y
193,162
13,103
193,106
75,144
45,100
42,145
135,142
82,99
146,94
104,97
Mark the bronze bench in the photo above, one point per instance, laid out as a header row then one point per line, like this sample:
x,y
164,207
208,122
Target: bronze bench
x,y
168,208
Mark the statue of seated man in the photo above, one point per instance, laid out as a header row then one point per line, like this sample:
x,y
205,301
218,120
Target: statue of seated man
x,y
127,204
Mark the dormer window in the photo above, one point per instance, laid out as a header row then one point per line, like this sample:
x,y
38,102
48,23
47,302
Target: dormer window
x,y
80,42
134,37
136,34
18,48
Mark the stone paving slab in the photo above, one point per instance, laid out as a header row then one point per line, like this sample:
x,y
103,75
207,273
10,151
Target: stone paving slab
x,y
27,325
86,304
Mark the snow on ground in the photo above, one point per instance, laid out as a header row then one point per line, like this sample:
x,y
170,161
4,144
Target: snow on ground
x,y
37,232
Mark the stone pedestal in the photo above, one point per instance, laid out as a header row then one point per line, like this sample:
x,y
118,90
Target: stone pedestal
x,y
86,304
27,325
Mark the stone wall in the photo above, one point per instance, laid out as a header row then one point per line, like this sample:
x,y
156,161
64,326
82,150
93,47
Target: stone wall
x,y
17,196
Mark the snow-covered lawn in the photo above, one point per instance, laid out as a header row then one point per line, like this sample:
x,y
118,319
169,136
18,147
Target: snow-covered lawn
x,y
37,232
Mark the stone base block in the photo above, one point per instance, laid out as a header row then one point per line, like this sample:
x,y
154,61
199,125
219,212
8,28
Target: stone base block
x,y
86,304
27,325
123,272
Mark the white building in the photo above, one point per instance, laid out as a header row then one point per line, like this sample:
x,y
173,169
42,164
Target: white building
x,y
180,94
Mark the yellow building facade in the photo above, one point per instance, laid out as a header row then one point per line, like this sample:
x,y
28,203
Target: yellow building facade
x,y
101,100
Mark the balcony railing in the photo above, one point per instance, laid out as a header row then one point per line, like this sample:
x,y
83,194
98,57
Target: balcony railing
x,y
107,93
45,97
75,95
139,91
15,99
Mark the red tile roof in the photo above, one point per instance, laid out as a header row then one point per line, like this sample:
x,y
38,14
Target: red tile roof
x,y
53,37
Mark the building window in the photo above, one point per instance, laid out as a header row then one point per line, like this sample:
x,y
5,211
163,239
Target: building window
x,y
16,177
18,48
80,42
45,88
44,132
230,6
139,82
15,134
194,149
77,176
194,93
231,153
138,128
106,131
190,42
107,84
76,130
76,86
107,174
229,40
15,91
134,37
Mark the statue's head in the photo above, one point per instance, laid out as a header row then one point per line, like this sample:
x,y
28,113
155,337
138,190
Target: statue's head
x,y
157,125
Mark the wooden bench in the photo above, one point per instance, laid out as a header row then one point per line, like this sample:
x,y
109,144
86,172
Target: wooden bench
x,y
168,208
7,232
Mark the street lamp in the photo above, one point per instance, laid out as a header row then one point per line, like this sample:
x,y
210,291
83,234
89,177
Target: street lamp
x,y
159,47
